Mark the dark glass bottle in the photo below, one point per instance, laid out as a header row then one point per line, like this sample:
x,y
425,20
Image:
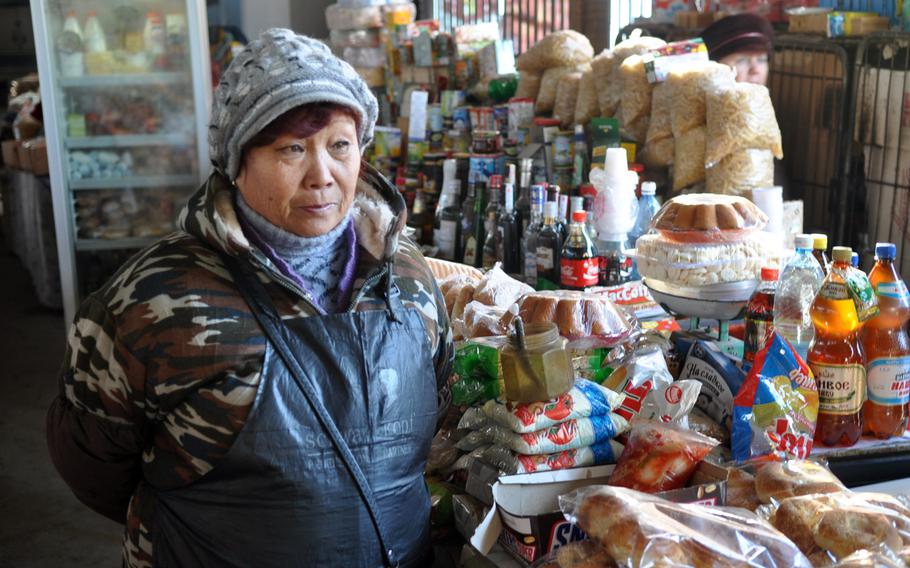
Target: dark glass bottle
x,y
529,237
507,240
468,227
549,250
421,220
491,221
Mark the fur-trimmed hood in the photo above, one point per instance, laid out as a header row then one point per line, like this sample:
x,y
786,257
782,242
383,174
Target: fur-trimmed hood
x,y
378,211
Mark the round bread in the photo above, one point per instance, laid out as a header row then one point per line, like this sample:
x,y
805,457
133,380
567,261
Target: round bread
x,y
797,518
707,217
577,315
843,531
777,481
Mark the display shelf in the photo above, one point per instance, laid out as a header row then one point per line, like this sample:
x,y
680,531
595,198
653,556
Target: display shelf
x,y
114,244
128,141
126,80
133,182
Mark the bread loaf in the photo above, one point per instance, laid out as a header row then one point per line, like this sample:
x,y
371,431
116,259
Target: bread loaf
x,y
777,481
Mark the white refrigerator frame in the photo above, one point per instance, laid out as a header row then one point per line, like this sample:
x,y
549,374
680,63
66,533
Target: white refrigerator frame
x,y
55,125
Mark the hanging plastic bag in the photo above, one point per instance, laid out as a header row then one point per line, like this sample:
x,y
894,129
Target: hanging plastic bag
x,y
740,117
776,408
741,172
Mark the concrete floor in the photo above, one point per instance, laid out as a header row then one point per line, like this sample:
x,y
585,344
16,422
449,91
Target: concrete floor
x,y
41,523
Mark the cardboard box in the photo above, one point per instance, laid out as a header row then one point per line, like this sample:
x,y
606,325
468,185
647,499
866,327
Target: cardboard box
x,y
497,58
37,155
10,153
809,23
24,159
692,19
525,518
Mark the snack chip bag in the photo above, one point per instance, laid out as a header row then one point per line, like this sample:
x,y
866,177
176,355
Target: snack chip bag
x,y
660,457
583,400
642,370
776,408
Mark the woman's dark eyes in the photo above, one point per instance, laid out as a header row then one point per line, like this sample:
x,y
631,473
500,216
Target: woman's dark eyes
x,y
293,149
341,145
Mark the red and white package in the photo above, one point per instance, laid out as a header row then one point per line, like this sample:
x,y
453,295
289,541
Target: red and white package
x,y
634,297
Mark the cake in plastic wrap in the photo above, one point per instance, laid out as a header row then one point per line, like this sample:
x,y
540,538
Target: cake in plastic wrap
x,y
708,218
582,318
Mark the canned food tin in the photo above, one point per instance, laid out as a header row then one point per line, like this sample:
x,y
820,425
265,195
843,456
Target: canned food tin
x,y
485,142
482,118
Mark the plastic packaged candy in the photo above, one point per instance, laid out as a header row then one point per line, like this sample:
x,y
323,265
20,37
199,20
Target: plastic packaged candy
x,y
512,463
587,320
660,457
585,399
644,531
776,408
832,527
568,435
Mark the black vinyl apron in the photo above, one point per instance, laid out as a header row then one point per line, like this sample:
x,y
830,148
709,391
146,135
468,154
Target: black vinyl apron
x,y
284,495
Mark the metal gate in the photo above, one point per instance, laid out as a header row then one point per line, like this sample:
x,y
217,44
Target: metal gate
x,y
523,21
877,207
810,86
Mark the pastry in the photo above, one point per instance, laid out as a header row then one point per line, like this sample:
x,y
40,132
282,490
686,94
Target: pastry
x,y
843,531
740,488
708,213
497,288
797,518
777,481
577,315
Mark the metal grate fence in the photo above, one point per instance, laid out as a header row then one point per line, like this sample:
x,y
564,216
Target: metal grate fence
x,y
523,21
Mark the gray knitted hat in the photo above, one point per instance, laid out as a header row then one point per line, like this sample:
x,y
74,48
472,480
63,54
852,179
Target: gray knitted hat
x,y
272,75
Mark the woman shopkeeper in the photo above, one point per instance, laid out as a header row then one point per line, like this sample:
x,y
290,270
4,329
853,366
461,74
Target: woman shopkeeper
x,y
261,387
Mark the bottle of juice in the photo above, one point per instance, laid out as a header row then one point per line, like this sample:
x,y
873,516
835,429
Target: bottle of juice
x,y
887,349
836,358
760,314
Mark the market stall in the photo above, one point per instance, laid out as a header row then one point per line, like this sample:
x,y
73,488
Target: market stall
x,y
623,368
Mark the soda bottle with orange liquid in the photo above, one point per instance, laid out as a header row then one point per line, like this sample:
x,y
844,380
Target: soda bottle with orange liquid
x,y
887,349
836,355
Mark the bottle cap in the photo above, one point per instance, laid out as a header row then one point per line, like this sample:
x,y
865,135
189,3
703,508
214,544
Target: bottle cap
x,y
579,129
580,216
648,188
820,241
842,254
769,274
854,260
577,203
804,241
550,209
885,251
495,180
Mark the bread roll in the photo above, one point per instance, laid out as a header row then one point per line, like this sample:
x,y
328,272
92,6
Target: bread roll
x,y
777,481
843,531
443,268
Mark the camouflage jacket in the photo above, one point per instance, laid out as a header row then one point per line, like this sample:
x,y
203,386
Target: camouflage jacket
x,y
163,363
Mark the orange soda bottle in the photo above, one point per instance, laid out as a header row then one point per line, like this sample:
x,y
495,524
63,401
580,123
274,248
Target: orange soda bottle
x,y
836,358
887,348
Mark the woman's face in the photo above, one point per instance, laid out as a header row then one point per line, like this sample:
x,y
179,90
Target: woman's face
x,y
750,67
304,185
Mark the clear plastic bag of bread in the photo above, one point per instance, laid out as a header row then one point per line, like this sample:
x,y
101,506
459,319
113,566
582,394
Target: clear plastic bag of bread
x,y
739,117
740,172
831,527
442,269
566,98
528,85
458,291
636,97
689,158
481,320
613,88
687,86
586,107
708,218
563,48
581,554
640,530
549,85
779,480
586,320
497,288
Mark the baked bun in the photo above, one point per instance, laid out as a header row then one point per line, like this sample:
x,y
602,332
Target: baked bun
x,y
708,217
584,554
457,291
779,480
578,315
497,288
797,518
741,489
442,269
845,530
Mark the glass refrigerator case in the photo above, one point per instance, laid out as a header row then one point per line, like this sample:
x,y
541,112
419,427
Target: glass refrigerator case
x,y
126,91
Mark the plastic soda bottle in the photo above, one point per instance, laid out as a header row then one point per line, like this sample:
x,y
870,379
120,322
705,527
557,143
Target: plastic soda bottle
x,y
836,357
800,281
760,314
887,349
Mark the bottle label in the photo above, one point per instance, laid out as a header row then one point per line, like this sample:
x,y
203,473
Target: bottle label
x,y
841,388
834,291
757,332
860,290
444,239
897,290
531,267
470,251
544,259
889,380
579,273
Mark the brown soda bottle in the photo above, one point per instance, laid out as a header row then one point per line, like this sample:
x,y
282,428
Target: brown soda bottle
x,y
819,248
760,314
836,358
887,349
579,264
